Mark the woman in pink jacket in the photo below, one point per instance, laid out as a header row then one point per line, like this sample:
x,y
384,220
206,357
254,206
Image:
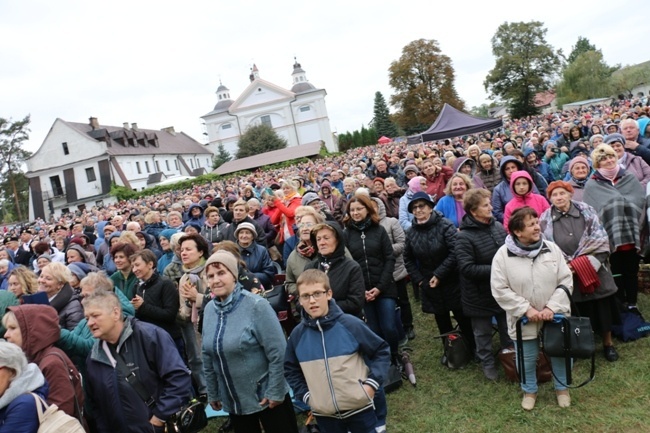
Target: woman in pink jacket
x,y
521,185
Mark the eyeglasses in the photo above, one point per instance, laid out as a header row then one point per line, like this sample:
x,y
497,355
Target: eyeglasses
x,y
316,295
419,206
607,156
307,225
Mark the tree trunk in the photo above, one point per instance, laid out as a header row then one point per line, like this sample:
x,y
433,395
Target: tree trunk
x,y
13,186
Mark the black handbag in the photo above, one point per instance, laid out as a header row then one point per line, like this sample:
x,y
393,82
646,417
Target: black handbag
x,y
278,298
190,419
570,337
457,351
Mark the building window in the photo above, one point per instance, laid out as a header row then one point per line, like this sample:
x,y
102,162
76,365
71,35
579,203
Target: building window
x,y
157,166
65,148
167,164
226,126
90,174
304,108
266,120
176,163
57,189
192,164
146,165
207,162
137,166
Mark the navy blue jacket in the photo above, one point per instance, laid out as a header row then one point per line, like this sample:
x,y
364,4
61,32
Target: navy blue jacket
x,y
151,353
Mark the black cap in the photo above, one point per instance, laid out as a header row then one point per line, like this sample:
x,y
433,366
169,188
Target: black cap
x,y
10,239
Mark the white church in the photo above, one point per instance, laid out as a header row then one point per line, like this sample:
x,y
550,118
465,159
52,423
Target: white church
x,y
299,115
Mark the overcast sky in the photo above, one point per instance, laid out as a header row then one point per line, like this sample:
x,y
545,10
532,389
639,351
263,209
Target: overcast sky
x,y
158,63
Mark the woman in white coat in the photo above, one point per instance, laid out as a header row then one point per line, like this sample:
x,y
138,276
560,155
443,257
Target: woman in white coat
x,y
526,272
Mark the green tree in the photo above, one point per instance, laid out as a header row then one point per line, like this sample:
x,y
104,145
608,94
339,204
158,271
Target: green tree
x,y
582,46
12,156
221,157
423,79
259,139
587,77
345,142
357,139
626,79
525,66
381,122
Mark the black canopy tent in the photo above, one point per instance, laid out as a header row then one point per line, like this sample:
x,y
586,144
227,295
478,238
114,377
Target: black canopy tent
x,y
454,123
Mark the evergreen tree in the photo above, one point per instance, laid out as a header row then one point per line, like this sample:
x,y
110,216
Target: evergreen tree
x,y
259,139
12,158
221,157
381,121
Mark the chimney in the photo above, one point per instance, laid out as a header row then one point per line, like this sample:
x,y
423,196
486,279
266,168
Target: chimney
x,y
169,130
94,123
125,125
134,126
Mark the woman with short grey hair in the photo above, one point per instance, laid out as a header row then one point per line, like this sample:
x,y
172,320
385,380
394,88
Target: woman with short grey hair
x,y
17,380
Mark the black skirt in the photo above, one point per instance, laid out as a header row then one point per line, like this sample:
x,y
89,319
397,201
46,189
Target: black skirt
x,y
603,313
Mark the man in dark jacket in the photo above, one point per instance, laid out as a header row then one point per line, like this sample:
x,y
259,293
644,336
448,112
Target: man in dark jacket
x,y
635,142
240,215
144,350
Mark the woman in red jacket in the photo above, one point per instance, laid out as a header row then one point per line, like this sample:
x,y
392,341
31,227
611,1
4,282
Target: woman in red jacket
x,y
287,200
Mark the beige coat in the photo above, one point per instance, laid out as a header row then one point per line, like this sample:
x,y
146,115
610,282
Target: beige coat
x,y
519,283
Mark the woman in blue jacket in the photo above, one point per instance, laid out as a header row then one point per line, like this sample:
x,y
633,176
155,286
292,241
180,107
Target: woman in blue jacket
x,y
18,380
243,354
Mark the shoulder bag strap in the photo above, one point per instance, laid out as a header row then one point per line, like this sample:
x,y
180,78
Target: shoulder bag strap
x,y
132,379
40,403
574,307
77,406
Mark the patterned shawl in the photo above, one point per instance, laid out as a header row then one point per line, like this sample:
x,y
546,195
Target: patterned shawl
x,y
620,207
594,239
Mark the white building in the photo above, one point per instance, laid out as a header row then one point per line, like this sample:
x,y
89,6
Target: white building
x,y
299,115
77,163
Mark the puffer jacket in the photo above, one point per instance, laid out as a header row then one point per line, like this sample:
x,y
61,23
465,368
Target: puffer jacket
x,y
502,193
476,246
243,352
489,178
531,199
519,283
397,238
346,278
40,331
430,250
68,306
18,411
329,359
159,368
372,249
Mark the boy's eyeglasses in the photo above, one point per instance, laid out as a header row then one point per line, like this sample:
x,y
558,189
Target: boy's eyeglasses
x,y
316,295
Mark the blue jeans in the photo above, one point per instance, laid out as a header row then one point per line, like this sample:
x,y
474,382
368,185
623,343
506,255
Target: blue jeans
x,y
381,407
380,315
363,422
531,350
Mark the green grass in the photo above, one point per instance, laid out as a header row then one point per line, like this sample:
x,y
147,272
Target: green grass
x,y
446,400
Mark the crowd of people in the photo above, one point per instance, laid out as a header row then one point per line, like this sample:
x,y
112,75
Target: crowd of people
x,y
160,300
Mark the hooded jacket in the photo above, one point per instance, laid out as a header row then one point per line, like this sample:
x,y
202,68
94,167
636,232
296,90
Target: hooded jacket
x,y
108,263
463,160
190,219
329,359
86,256
40,331
346,278
152,355
476,246
327,196
531,199
429,252
502,194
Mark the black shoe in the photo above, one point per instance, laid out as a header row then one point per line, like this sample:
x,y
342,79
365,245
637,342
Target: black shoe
x,y
410,333
226,426
610,353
